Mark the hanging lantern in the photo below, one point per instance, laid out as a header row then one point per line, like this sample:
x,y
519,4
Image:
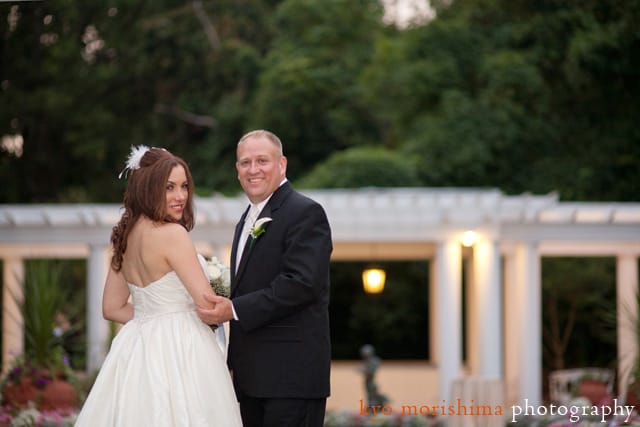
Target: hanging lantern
x,y
373,280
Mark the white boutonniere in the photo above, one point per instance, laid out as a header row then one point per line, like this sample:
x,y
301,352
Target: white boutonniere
x,y
259,227
219,277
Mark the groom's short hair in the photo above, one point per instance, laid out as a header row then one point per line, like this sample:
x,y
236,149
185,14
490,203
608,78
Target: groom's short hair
x,y
265,133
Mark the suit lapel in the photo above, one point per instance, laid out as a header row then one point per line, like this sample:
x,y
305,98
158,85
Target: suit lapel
x,y
245,257
234,247
250,243
269,210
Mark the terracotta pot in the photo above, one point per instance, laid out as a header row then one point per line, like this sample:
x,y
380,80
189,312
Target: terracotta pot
x,y
632,395
594,390
58,394
19,394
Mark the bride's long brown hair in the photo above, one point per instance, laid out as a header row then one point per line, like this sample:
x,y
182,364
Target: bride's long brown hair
x,y
146,195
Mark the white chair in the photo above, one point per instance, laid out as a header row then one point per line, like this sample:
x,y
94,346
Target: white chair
x,y
564,383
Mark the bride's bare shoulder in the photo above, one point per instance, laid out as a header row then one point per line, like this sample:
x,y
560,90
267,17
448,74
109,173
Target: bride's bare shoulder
x,y
170,232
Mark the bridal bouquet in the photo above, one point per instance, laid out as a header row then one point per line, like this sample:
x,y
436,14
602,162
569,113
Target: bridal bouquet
x,y
219,277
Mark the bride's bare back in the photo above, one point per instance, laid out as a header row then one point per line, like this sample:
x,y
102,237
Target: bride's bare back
x,y
145,259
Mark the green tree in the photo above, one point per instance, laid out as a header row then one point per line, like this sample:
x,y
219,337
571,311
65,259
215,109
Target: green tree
x,y
513,94
308,91
362,167
98,78
523,96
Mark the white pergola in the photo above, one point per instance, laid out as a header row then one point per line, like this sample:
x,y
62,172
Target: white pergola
x,y
504,335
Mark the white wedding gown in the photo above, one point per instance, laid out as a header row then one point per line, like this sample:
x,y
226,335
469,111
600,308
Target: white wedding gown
x,y
165,367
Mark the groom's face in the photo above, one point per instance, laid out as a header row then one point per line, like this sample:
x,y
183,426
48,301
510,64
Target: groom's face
x,y
261,167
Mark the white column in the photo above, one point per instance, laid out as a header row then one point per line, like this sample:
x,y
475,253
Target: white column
x,y
434,339
97,326
448,281
529,319
12,320
627,313
487,301
512,328
472,336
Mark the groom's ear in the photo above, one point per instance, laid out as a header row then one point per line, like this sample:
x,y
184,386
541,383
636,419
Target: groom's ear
x,y
283,165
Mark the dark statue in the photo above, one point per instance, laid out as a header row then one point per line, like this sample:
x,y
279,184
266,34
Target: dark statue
x,y
370,364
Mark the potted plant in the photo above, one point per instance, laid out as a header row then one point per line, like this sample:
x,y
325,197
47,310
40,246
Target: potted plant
x,y
596,384
42,375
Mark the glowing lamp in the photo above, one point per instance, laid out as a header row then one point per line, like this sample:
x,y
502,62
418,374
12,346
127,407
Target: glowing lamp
x,y
469,238
373,280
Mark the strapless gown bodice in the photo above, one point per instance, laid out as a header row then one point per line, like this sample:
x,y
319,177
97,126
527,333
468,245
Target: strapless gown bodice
x,y
163,296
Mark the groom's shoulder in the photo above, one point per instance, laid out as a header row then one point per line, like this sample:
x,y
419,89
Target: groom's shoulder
x,y
287,196
302,198
302,203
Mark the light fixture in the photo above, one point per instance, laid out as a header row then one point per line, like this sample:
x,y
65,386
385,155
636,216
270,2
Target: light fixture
x,y
373,279
469,238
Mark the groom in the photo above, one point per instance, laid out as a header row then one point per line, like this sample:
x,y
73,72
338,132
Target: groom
x,y
279,346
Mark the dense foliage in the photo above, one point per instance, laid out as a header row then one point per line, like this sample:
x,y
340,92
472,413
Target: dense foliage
x,y
362,167
523,96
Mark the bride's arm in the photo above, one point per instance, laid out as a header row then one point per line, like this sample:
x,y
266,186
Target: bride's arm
x,y
115,298
183,259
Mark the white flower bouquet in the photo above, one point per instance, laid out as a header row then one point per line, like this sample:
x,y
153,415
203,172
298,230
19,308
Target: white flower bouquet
x,y
219,277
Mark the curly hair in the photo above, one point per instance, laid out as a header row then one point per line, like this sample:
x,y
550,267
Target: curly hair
x,y
146,195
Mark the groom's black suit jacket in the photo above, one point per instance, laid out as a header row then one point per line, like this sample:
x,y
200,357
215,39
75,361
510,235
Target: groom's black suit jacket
x,y
280,346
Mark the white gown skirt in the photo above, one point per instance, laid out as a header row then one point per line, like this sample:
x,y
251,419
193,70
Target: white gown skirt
x,y
162,370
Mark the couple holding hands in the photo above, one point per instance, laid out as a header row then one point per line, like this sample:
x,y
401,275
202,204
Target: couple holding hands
x,y
165,367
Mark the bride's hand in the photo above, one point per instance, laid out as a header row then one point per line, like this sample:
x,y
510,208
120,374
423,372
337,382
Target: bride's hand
x,y
221,312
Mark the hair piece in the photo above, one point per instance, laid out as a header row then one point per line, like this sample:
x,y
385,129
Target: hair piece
x,y
133,161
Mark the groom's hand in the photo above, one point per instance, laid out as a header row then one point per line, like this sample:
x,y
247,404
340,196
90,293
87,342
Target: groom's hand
x,y
222,310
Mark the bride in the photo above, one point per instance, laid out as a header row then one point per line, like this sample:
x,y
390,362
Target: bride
x,y
165,367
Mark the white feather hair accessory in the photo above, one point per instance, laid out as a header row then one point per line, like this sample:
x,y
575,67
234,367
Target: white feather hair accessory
x,y
133,161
